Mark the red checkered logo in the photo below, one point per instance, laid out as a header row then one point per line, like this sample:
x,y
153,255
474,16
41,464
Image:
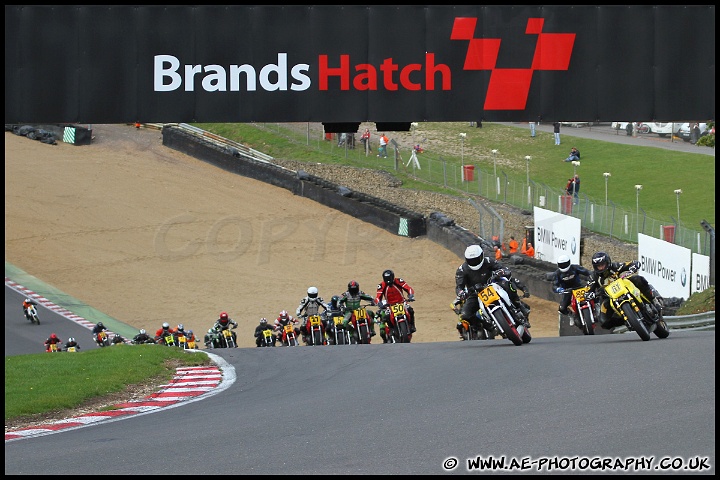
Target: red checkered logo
x,y
509,87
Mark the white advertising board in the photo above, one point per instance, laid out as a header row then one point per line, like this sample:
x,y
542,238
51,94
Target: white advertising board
x,y
556,234
700,273
665,265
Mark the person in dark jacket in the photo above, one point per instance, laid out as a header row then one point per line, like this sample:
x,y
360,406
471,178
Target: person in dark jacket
x,y
568,277
142,337
477,270
603,269
262,326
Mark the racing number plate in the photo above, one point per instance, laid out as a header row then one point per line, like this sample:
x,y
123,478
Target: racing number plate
x,y
580,293
288,328
616,287
488,295
398,309
338,320
315,320
360,314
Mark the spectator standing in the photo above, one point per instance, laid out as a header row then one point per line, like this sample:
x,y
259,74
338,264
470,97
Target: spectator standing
x,y
556,132
512,245
576,189
382,149
498,253
365,139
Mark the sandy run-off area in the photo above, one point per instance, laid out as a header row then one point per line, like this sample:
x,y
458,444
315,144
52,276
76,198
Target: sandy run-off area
x,y
149,235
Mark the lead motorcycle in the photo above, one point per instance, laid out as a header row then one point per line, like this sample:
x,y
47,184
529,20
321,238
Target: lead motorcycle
x,y
639,314
31,314
495,305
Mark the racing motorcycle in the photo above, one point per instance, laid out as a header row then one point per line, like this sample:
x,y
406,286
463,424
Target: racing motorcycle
x,y
181,341
397,324
168,340
54,347
339,335
102,339
226,339
268,339
361,326
316,330
638,313
582,309
288,335
495,305
31,314
469,332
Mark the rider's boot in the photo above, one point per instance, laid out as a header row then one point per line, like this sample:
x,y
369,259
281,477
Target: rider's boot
x,y
412,325
525,311
460,330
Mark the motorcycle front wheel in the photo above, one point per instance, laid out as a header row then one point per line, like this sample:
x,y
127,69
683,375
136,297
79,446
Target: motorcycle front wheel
x,y
635,320
587,321
508,328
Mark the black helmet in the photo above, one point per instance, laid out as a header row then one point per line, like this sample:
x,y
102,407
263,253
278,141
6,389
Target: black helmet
x,y
600,261
334,300
353,287
563,263
388,276
100,325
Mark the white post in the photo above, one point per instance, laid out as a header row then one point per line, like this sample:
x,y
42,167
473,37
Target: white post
x,y
606,174
677,194
637,206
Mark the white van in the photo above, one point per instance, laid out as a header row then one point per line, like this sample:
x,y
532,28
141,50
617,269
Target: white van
x,y
662,129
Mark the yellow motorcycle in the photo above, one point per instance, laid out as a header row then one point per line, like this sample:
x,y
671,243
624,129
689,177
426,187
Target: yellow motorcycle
x,y
639,313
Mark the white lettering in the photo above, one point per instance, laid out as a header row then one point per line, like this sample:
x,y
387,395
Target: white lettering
x,y
272,77
161,73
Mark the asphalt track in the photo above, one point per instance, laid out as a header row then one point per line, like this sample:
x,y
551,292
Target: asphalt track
x,y
406,409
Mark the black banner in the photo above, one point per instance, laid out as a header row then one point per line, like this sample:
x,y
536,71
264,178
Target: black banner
x,y
164,64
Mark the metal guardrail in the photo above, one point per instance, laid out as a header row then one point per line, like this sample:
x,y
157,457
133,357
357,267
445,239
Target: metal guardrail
x,y
698,321
218,140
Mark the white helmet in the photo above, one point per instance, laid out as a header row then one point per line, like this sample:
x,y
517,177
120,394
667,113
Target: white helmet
x,y
563,263
312,292
142,331
166,325
475,257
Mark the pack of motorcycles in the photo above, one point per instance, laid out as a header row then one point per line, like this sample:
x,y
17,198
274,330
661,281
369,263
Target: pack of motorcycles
x,y
498,317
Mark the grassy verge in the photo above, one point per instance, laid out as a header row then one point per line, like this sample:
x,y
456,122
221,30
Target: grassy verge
x,y
660,171
40,383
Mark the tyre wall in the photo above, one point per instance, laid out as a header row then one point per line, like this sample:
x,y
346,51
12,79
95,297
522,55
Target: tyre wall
x,y
364,207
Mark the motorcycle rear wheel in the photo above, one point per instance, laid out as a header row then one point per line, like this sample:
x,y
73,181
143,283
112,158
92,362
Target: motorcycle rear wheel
x,y
661,329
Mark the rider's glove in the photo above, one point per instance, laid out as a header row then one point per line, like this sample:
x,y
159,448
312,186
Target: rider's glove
x,y
462,295
526,294
411,297
558,290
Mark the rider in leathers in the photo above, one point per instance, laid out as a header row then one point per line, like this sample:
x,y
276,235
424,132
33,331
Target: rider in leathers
x,y
259,337
393,290
603,269
350,300
309,306
567,278
476,270
332,309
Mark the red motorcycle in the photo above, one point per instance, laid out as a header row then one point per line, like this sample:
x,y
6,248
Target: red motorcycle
x,y
361,326
398,326
583,310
